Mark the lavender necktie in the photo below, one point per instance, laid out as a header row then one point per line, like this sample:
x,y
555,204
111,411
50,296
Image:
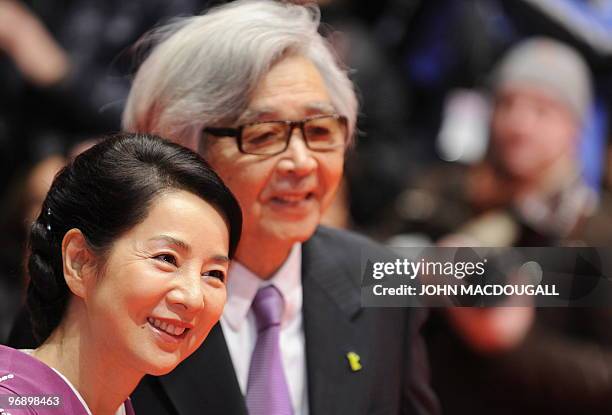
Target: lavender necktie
x,y
267,390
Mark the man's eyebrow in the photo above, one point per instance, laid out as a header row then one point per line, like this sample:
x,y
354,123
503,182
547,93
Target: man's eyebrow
x,y
324,107
172,241
252,115
220,259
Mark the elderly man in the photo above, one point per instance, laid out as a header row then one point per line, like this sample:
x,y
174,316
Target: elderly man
x,y
255,89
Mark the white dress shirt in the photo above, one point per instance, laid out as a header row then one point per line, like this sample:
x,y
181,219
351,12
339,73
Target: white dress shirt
x,y
238,324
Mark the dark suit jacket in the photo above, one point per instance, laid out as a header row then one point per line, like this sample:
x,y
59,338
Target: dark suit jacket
x,y
393,379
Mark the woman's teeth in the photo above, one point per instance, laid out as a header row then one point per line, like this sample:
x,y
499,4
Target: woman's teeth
x,y
168,328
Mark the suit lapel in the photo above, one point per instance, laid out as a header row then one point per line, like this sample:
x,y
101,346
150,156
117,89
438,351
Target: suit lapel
x,y
206,381
331,302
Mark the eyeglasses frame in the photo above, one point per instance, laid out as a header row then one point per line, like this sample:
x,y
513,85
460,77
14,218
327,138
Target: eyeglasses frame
x,y
237,132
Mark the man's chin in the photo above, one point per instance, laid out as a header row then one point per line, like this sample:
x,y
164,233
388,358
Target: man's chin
x,y
294,231
520,170
524,175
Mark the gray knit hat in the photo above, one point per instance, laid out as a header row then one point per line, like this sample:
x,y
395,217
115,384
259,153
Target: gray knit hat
x,y
551,65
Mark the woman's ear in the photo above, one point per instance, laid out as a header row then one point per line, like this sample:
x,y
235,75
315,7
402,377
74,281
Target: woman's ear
x,y
78,262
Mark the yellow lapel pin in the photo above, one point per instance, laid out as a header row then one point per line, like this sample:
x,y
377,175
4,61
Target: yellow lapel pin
x,y
353,359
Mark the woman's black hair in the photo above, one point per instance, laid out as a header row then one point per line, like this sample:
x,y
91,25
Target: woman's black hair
x,y
104,192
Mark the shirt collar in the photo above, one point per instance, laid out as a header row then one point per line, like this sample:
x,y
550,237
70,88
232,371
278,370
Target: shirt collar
x,y
243,285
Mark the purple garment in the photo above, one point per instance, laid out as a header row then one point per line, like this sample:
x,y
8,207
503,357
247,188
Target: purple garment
x,y
24,375
267,390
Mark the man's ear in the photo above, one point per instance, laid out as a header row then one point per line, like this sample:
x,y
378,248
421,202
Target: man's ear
x,y
79,263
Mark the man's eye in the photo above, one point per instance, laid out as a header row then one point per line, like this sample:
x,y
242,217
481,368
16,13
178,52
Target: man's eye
x,y
171,259
318,133
216,273
261,139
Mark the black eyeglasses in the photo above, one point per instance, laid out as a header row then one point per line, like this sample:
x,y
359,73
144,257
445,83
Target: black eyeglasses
x,y
268,138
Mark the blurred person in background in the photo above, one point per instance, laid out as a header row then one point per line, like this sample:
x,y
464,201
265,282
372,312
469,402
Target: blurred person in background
x,y
542,95
447,49
519,359
20,208
64,71
257,90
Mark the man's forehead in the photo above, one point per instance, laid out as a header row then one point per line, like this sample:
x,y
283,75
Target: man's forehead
x,y
271,113
531,92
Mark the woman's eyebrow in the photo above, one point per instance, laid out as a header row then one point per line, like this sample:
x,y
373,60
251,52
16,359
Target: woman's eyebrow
x,y
172,241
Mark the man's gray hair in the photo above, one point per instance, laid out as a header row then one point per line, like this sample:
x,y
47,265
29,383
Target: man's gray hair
x,y
202,70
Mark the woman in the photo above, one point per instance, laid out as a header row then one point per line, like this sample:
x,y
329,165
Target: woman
x,y
128,263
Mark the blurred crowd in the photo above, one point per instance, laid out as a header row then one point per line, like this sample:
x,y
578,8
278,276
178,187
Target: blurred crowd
x,y
482,122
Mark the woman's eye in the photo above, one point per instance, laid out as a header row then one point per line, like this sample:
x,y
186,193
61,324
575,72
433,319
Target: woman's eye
x,y
220,275
170,259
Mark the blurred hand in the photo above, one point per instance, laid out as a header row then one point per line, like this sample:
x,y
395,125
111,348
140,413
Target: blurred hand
x,y
490,330
494,329
28,43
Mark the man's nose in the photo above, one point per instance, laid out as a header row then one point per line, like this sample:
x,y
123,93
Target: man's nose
x,y
522,116
298,159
